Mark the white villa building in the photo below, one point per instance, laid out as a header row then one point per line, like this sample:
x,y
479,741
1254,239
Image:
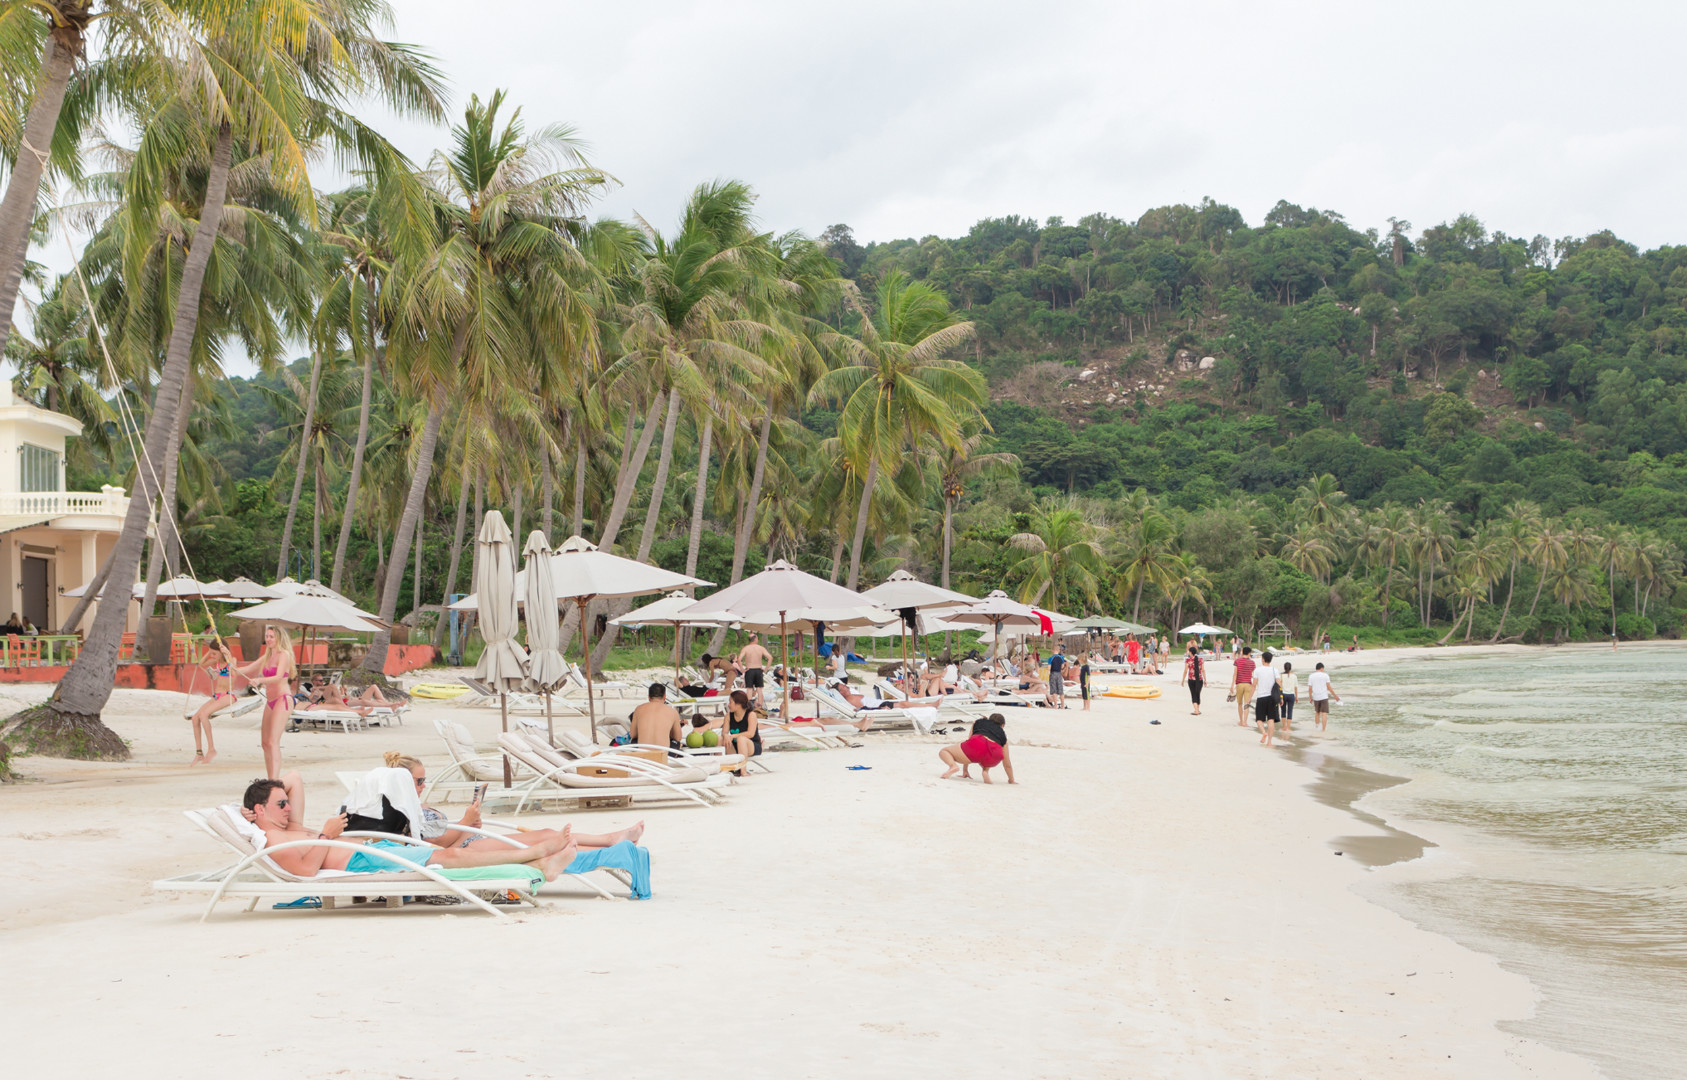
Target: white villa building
x,y
51,539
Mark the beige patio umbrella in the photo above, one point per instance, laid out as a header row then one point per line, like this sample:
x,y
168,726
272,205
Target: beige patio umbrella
x,y
244,588
287,586
908,596
666,612
582,573
504,663
545,666
309,611
997,610
784,598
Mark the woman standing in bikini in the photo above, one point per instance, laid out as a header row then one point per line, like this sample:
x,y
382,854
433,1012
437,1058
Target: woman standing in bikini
x,y
274,672
222,696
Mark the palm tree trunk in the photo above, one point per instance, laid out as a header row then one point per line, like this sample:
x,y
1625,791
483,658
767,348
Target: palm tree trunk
x,y
626,482
517,496
861,522
546,488
1511,587
416,578
17,209
700,496
1451,630
948,536
88,596
579,481
70,720
316,517
356,456
169,539
1136,611
747,525
647,535
837,559
376,661
456,553
304,459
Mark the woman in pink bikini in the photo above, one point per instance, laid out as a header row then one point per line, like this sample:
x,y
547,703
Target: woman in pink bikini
x,y
273,674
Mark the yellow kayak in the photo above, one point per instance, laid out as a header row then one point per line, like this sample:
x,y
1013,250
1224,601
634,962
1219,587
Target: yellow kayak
x,y
1132,691
438,690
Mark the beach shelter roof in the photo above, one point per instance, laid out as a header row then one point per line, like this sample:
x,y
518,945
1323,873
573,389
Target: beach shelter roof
x,y
665,612
504,663
579,571
904,590
183,587
1203,628
287,587
313,610
783,596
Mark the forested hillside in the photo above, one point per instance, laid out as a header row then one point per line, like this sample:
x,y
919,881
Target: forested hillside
x,y
1444,429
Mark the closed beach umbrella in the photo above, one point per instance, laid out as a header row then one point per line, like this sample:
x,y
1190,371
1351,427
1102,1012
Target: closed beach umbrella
x,y
503,664
545,666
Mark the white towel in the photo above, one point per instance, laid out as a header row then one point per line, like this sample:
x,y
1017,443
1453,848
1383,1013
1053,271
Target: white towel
x,y
254,835
399,788
924,718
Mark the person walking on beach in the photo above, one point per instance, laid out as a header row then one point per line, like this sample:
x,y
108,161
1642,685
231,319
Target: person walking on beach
x,y
1195,677
1133,652
1242,685
1057,682
986,747
1084,678
1318,686
1265,698
1290,687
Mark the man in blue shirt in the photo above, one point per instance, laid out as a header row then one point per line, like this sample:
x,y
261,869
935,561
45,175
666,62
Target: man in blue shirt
x,y
1057,684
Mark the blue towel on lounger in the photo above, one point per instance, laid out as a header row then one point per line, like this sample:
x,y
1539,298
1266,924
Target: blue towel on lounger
x,y
625,855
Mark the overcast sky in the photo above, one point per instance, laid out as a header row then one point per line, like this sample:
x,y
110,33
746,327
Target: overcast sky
x,y
913,117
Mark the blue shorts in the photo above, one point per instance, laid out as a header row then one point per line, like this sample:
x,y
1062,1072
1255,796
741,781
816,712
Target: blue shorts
x,y
361,862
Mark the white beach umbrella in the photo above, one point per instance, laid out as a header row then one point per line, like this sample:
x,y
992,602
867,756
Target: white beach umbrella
x,y
903,593
545,666
182,587
666,612
312,611
136,591
287,587
1000,612
784,598
503,664
1203,629
243,588
582,573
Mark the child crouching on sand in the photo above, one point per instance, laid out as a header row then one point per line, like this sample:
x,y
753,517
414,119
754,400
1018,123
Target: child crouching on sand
x,y
986,747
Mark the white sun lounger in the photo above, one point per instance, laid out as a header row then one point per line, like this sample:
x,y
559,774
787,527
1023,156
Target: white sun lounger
x,y
254,876
955,703
920,719
564,779
577,745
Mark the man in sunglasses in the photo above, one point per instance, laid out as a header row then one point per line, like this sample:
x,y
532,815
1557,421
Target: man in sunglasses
x,y
278,808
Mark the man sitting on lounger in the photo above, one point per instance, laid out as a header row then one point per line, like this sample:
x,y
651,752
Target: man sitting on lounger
x,y
277,807
656,723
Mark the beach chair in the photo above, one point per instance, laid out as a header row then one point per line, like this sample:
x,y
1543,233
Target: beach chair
x,y
920,718
469,767
254,876
576,745
953,703
602,688
584,783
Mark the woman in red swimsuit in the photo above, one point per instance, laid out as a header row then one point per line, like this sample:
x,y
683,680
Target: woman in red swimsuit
x,y
986,747
274,672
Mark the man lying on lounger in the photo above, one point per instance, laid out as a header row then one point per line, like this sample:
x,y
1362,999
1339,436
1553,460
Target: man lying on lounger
x,y
278,806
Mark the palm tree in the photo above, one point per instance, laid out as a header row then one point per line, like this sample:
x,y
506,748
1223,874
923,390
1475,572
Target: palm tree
x,y
1477,564
1061,556
1615,553
1389,531
60,368
956,464
277,73
1318,501
1549,554
1307,552
1188,581
1149,557
1433,540
1519,524
502,282
896,385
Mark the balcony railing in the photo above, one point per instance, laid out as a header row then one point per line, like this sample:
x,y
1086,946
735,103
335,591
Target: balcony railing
x,y
108,502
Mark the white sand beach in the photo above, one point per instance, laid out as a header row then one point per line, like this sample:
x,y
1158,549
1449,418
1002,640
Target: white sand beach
x,y
1149,901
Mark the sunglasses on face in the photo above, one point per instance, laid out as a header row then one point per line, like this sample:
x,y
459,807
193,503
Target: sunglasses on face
x,y
420,780
282,805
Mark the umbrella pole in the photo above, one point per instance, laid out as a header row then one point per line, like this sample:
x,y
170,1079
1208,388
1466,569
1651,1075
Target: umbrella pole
x,y
785,649
586,655
550,732
504,717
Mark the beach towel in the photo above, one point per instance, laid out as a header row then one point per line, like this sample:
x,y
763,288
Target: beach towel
x,y
924,718
397,787
625,855
248,831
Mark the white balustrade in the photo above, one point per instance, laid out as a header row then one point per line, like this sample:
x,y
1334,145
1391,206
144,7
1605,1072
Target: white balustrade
x,y
108,502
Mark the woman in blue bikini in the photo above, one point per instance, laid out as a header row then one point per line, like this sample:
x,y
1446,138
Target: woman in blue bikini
x,y
222,697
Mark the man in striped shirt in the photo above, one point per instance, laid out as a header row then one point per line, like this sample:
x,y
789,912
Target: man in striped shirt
x,y
1243,682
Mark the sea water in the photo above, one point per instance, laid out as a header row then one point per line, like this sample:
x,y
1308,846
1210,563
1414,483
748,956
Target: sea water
x,y
1557,778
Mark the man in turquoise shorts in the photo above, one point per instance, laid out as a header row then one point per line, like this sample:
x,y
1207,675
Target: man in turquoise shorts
x,y
278,808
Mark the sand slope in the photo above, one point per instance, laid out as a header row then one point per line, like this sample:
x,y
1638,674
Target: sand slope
x,y
1150,901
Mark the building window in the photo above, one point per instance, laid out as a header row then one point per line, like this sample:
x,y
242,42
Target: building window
x,y
38,469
